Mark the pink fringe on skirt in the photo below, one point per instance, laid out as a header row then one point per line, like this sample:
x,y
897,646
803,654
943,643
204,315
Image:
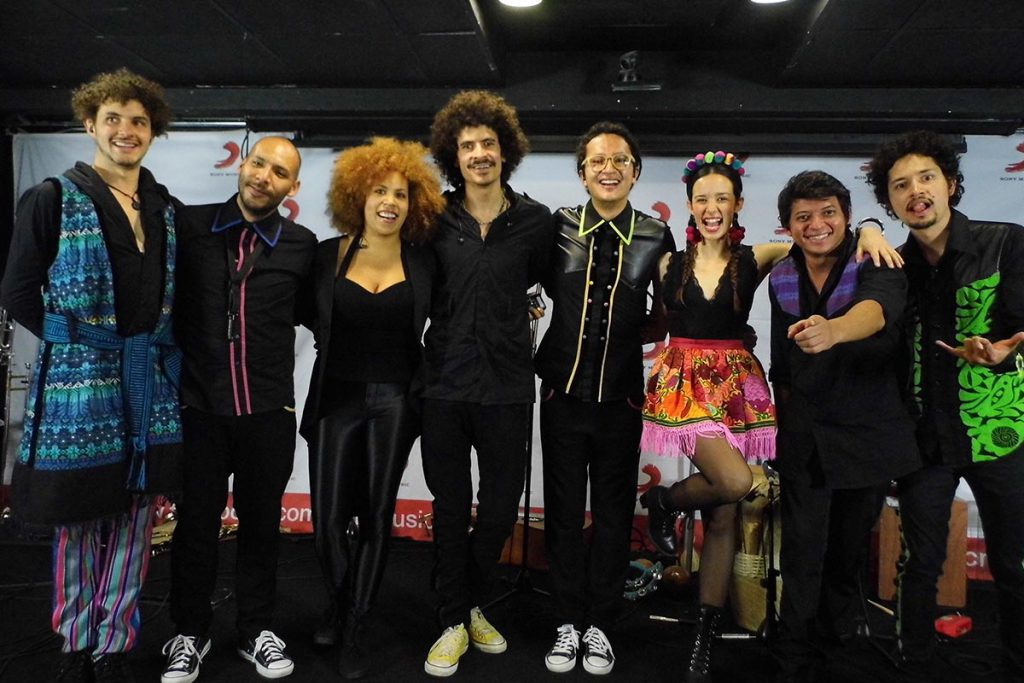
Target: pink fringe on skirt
x,y
756,445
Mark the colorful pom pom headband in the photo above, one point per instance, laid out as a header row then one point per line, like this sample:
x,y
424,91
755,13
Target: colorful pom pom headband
x,y
719,157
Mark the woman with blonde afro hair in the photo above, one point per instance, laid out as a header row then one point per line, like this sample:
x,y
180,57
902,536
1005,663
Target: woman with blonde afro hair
x,y
373,286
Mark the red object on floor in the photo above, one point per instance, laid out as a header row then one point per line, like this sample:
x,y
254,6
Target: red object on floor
x,y
953,625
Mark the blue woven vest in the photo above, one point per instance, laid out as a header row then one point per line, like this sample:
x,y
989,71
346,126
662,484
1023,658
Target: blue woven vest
x,y
76,415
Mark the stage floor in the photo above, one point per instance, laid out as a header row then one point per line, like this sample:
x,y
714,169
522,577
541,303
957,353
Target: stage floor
x,y
403,627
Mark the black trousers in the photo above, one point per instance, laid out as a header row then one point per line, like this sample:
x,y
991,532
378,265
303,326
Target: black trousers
x,y
465,561
258,450
599,442
825,539
356,461
925,498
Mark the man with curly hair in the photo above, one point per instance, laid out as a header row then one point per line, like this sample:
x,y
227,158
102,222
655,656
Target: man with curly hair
x,y
244,282
966,326
492,244
91,273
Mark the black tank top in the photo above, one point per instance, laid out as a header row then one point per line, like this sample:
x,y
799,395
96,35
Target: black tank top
x,y
697,317
371,334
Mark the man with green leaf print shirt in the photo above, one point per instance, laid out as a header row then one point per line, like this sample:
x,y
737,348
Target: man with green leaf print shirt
x,y
965,330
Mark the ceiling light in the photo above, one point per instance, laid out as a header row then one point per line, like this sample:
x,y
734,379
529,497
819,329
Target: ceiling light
x,y
520,3
767,2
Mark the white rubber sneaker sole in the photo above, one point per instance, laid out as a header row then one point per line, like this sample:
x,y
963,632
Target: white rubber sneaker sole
x,y
490,648
265,671
440,671
560,667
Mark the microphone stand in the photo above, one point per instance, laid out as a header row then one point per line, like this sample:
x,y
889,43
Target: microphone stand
x,y
522,583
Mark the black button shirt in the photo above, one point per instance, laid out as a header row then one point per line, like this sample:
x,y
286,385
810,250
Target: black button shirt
x,y
478,344
250,370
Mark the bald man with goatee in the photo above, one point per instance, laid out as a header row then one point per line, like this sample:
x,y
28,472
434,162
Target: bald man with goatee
x,y
243,284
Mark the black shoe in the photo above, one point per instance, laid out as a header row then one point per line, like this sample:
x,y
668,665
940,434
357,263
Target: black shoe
x,y
661,521
184,655
266,651
112,668
74,667
328,633
353,659
708,626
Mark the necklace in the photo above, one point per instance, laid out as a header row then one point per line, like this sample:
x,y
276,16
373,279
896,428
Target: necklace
x,y
501,210
134,196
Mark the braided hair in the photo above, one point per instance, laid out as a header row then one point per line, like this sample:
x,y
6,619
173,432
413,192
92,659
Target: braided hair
x,y
736,232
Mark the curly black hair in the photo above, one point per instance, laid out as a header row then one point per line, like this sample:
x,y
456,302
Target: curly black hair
x,y
476,108
607,128
920,142
812,185
121,86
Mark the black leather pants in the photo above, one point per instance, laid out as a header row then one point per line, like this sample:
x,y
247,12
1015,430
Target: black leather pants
x,y
356,461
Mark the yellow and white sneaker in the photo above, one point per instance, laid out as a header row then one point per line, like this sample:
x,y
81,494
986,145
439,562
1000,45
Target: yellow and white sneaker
x,y
483,635
443,658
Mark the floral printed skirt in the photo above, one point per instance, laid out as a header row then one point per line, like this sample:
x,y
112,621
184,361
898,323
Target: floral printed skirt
x,y
708,388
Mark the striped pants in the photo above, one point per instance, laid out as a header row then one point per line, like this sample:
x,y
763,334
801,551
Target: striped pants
x,y
98,570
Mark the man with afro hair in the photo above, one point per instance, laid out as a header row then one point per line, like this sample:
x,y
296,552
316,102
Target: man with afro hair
x,y
492,244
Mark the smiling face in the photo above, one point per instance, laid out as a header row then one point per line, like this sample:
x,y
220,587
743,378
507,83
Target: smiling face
x,y
479,155
919,193
268,175
608,184
817,226
387,206
714,205
123,133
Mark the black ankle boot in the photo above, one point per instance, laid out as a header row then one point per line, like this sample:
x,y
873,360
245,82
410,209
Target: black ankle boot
x,y
661,520
353,659
699,670
328,632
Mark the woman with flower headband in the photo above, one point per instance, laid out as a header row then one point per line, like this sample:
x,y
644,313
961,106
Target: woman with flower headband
x,y
373,289
707,397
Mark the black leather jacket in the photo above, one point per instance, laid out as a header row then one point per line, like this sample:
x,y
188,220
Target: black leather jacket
x,y
630,322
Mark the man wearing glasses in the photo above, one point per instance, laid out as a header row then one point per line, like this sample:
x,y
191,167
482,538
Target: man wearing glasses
x,y
591,365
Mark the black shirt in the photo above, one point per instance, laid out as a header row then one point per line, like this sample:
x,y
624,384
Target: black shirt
x,y
138,276
478,343
251,371
842,419
932,303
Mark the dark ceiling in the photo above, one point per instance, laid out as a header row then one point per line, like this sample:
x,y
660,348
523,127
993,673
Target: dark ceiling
x,y
336,68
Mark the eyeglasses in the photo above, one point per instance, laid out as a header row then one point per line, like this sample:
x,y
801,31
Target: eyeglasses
x,y
620,162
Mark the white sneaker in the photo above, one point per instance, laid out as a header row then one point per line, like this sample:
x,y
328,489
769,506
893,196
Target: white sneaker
x,y
597,652
562,655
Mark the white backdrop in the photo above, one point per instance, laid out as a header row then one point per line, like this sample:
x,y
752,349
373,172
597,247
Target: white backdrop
x,y
202,168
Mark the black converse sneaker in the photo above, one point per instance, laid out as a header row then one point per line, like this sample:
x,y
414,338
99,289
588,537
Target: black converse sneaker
x,y
184,655
562,655
266,651
597,652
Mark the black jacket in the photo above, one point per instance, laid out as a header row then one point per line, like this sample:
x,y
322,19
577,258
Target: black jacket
x,y
842,419
420,269
478,344
619,371
966,413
